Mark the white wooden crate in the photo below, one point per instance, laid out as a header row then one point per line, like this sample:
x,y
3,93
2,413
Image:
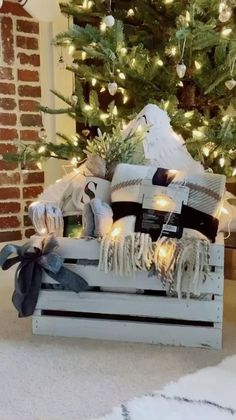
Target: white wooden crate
x,y
131,309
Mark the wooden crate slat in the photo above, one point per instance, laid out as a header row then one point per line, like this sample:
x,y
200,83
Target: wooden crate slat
x,y
129,331
94,277
128,304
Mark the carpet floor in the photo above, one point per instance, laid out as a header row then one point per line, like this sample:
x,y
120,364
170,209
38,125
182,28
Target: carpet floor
x,y
46,378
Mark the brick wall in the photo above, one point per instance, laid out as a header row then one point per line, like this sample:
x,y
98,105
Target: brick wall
x,y
19,119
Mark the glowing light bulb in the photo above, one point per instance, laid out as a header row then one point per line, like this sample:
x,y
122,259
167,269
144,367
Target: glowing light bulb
x,y
74,161
115,232
222,162
198,134
94,81
225,118
71,49
160,62
87,108
197,65
102,89
123,51
206,151
234,172
133,61
168,1
104,116
39,165
226,31
122,76
187,17
173,51
130,12
188,114
42,149
115,110
103,27
125,99
83,55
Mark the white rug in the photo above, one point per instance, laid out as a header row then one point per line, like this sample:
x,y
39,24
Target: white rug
x,y
207,394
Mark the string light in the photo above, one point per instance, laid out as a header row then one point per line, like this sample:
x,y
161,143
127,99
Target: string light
x,y
122,76
87,4
71,49
130,12
187,17
42,149
189,114
133,61
226,31
125,99
88,107
39,165
123,51
102,89
206,151
74,161
104,116
168,1
225,118
159,62
94,81
198,134
197,65
173,51
115,232
234,172
222,162
83,55
103,27
115,110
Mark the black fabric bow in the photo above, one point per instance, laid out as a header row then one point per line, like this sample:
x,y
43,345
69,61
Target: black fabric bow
x,y
28,277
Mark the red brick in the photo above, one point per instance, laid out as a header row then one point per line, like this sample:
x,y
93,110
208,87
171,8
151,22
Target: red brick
x,y
7,148
7,89
29,233
9,208
31,120
33,178
9,179
27,221
8,166
28,135
28,105
14,9
7,104
9,222
9,192
29,91
30,192
10,236
29,167
27,43
7,134
6,73
27,26
7,119
7,39
28,75
31,59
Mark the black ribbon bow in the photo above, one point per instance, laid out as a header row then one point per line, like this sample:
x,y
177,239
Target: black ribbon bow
x,y
33,260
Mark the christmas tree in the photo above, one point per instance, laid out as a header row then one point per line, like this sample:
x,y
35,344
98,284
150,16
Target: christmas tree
x,y
179,55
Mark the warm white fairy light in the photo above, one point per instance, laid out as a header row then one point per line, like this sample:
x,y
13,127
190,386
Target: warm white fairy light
x,y
74,161
115,110
159,62
180,84
39,165
222,162
42,149
173,51
225,118
83,55
116,232
189,114
123,51
133,61
226,31
130,12
87,4
187,17
104,116
206,151
71,49
102,89
103,27
198,65
94,81
198,134
234,172
215,154
122,76
125,99
88,107
168,1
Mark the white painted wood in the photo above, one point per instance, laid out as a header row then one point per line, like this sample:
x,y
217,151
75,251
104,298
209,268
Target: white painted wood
x,y
94,277
128,331
126,304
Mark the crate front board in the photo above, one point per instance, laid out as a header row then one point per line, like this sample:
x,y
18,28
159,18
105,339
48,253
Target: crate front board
x,y
131,308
